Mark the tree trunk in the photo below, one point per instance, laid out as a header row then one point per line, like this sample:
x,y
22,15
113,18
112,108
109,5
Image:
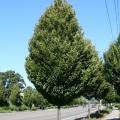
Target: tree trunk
x,y
99,107
89,110
58,113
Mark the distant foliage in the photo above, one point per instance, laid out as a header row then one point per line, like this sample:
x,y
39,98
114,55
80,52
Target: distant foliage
x,y
79,101
9,79
32,97
28,97
15,96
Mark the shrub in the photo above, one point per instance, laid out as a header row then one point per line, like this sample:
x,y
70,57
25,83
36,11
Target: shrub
x,y
23,107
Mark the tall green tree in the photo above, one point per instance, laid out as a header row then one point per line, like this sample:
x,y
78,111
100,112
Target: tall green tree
x,y
61,63
112,65
15,96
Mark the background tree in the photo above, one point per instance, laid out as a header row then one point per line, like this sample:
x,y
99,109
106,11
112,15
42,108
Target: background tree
x,y
28,97
112,65
9,79
111,95
79,101
105,93
38,99
62,64
15,97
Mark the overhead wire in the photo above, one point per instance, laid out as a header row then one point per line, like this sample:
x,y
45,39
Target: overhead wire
x,y
116,15
109,21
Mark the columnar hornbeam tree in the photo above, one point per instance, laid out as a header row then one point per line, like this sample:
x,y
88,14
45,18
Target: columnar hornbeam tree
x,y
112,65
61,63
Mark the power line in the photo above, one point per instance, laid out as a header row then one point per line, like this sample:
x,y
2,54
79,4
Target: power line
x,y
116,15
109,21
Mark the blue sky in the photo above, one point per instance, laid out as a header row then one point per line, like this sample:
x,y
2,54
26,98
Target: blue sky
x,y
18,19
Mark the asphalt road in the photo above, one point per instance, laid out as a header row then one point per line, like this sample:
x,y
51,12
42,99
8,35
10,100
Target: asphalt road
x,y
66,114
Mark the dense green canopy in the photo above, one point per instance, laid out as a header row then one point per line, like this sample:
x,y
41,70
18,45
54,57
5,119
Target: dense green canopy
x,y
61,63
112,65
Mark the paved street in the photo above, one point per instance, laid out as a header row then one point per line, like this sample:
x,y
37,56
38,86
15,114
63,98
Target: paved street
x,y
67,114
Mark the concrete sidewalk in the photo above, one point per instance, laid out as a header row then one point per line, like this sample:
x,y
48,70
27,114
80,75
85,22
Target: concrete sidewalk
x,y
114,115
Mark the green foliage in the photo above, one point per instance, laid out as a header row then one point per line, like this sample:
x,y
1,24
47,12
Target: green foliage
x,y
33,98
15,97
100,115
9,79
23,107
1,94
28,97
111,95
79,101
94,79
117,98
38,99
112,65
34,108
62,64
106,92
4,109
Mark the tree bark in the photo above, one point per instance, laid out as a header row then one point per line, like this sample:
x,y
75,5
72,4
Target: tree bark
x,y
99,107
58,113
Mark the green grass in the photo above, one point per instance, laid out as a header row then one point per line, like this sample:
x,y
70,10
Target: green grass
x,y
5,109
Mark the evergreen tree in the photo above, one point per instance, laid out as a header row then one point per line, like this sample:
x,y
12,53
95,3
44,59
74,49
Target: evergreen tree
x,y
61,63
112,65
